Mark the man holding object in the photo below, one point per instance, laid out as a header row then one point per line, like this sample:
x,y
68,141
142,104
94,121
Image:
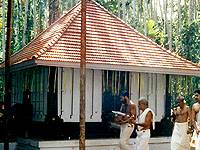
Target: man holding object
x,y
125,121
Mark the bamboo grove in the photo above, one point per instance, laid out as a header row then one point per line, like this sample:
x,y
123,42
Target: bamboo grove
x,y
174,24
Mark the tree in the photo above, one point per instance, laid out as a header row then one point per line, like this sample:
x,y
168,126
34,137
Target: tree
x,y
190,42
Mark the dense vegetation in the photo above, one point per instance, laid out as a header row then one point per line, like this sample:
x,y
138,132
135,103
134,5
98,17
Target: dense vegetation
x,y
174,24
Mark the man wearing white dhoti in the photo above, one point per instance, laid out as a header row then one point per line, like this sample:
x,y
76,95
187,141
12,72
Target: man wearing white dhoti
x,y
125,121
196,117
181,114
145,122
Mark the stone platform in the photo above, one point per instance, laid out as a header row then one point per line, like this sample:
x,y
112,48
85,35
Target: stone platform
x,y
159,143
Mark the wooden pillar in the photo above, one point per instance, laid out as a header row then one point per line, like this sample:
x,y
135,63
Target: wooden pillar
x,y
82,75
7,96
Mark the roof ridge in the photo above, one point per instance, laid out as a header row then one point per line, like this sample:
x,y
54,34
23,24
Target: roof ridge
x,y
145,37
59,34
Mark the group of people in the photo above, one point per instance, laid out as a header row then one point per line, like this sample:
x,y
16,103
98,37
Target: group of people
x,y
128,122
185,120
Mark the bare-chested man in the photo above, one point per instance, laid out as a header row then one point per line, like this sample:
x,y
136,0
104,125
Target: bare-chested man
x,y
126,126
195,117
181,113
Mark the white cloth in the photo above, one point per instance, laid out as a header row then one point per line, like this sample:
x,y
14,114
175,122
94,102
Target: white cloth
x,y
142,117
125,133
143,136
193,141
198,142
198,136
142,140
180,138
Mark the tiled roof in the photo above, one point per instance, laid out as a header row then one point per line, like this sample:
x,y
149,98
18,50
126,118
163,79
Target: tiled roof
x,y
111,44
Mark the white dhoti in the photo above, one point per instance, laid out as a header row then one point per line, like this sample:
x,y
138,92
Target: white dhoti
x,y
198,135
180,138
142,140
198,142
125,133
143,136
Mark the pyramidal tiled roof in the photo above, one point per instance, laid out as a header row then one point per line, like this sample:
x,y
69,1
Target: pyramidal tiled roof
x,y
111,44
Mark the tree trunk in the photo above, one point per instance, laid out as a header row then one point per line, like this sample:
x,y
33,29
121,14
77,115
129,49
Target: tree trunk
x,y
179,17
119,8
34,18
195,10
54,11
17,22
46,13
40,28
161,11
165,5
124,10
155,14
3,28
191,12
25,23
145,12
134,9
170,25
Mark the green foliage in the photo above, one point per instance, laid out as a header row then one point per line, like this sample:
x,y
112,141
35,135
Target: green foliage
x,y
190,42
183,85
154,32
185,34
110,5
18,20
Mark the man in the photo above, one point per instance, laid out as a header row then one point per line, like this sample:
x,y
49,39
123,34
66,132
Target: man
x,y
195,117
126,126
145,122
181,113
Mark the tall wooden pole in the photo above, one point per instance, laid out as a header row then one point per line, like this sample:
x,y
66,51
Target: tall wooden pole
x,y
7,96
168,98
82,75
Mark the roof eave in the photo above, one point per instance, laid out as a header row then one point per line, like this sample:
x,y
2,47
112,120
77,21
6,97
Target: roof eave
x,y
145,69
23,65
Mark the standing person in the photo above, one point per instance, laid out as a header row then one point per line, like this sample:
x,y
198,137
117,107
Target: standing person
x,y
181,114
144,124
126,126
195,117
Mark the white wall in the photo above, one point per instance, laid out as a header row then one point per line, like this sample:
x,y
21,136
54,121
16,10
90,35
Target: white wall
x,y
152,87
148,85
12,146
69,94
